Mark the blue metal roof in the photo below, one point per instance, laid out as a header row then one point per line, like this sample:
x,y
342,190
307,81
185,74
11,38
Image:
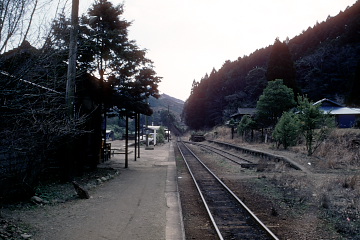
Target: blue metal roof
x,y
334,108
341,110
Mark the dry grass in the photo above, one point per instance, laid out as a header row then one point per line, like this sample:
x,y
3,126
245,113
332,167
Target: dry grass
x,y
341,149
333,186
340,201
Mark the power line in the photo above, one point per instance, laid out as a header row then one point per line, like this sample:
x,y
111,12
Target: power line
x,y
29,82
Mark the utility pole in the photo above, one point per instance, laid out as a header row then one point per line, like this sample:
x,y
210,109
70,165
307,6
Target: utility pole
x,y
136,134
168,115
126,140
138,126
71,73
70,84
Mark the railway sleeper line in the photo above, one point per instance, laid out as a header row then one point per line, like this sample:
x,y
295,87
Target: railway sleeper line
x,y
236,158
231,218
263,155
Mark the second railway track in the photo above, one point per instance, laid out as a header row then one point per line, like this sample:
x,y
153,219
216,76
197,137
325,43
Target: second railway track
x,y
230,217
236,158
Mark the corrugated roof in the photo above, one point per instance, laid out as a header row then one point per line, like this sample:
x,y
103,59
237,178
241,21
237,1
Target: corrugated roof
x,y
334,108
328,101
341,110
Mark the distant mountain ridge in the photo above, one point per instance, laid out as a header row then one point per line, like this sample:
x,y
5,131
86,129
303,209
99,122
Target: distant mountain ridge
x,y
166,102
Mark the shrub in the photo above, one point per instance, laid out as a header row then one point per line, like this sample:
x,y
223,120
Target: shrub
x,y
314,124
245,125
118,131
286,131
160,136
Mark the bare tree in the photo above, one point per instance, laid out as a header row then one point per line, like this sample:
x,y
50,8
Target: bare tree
x,y
32,91
25,20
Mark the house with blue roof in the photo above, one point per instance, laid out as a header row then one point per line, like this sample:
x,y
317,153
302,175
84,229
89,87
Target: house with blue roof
x,y
345,117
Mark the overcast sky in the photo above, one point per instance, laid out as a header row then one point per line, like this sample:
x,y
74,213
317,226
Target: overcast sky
x,y
188,38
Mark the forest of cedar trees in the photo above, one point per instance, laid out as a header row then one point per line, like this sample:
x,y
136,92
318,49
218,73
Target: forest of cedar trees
x,y
321,62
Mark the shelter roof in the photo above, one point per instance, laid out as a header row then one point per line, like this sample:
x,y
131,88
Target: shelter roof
x,y
153,127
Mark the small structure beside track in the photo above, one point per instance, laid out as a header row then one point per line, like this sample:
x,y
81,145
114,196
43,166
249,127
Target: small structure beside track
x,y
197,137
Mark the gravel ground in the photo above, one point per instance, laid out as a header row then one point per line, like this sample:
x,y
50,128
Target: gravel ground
x,y
286,200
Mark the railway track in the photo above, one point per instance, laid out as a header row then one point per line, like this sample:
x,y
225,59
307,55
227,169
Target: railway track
x,y
236,158
229,215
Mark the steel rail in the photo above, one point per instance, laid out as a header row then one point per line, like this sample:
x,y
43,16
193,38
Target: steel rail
x,y
220,152
201,195
249,212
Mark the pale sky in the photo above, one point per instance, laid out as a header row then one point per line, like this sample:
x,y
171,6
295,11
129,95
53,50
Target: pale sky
x,y
188,38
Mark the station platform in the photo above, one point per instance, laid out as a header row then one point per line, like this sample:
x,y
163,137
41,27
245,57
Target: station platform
x,y
149,194
140,203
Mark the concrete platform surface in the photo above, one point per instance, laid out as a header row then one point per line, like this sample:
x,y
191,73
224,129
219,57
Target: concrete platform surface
x,y
141,203
151,178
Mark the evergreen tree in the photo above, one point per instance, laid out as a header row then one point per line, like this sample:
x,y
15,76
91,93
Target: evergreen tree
x,y
113,74
195,112
246,125
255,83
105,48
287,130
276,99
281,66
314,124
354,95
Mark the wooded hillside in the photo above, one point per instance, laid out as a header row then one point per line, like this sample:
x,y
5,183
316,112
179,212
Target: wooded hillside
x,y
326,58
